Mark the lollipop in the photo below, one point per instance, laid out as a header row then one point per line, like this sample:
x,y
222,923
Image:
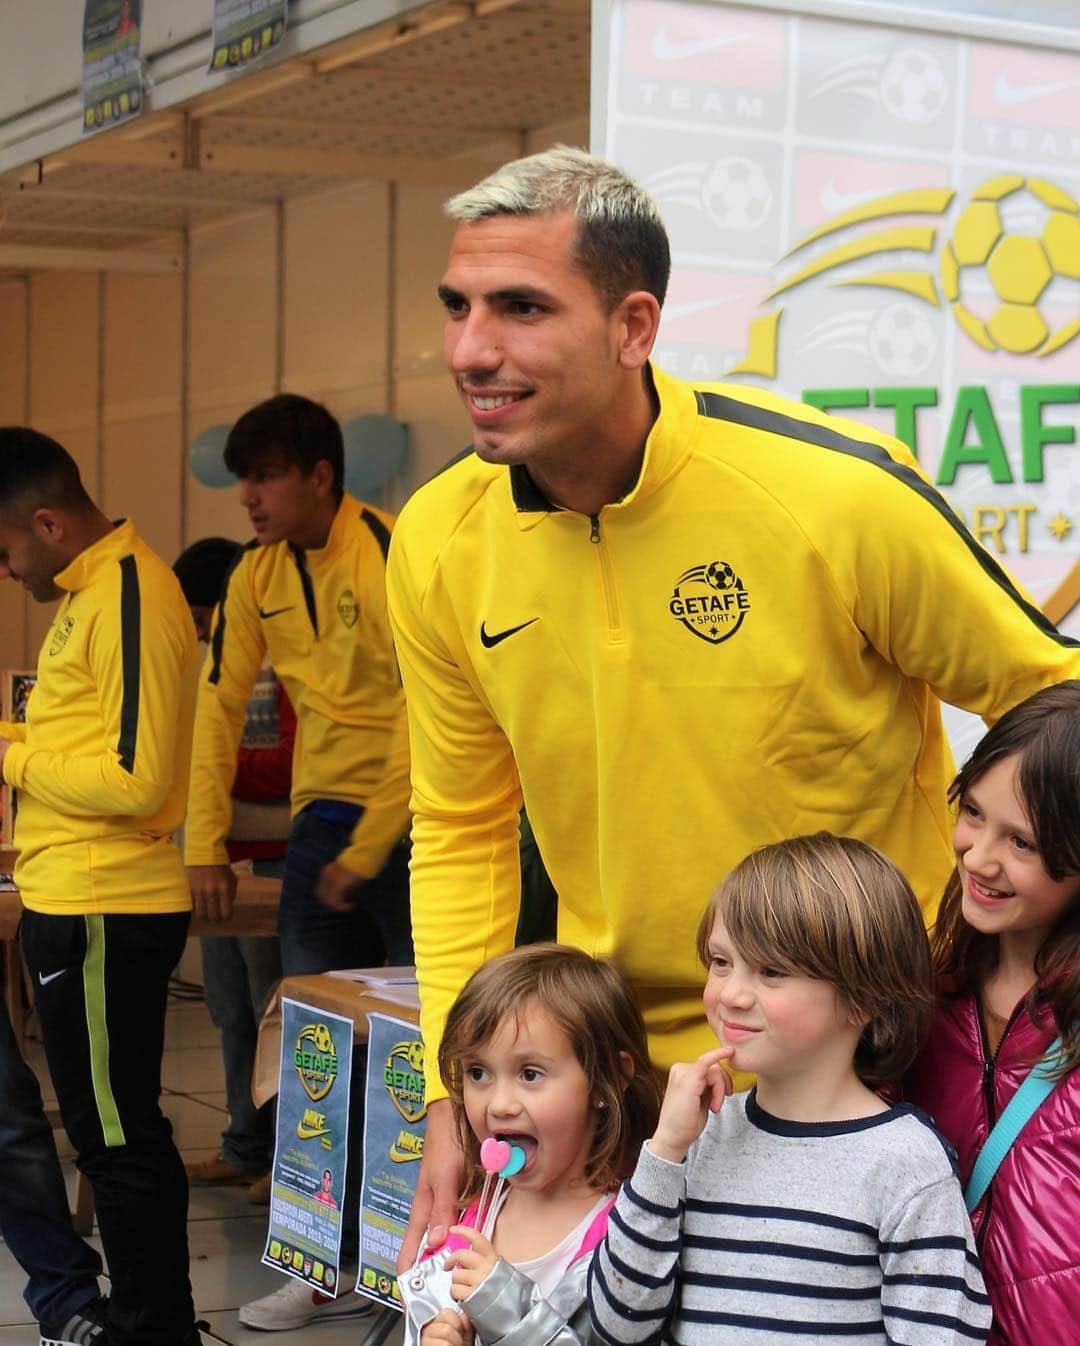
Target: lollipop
x,y
500,1161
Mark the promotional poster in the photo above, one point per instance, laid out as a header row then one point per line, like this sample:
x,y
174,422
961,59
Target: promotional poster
x,y
245,29
112,72
883,222
304,1233
395,1120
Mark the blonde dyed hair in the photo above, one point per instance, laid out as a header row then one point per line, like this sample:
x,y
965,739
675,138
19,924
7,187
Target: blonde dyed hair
x,y
837,910
622,244
593,1005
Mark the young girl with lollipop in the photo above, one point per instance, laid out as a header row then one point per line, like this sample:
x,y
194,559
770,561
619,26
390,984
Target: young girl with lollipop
x,y
1007,956
544,1057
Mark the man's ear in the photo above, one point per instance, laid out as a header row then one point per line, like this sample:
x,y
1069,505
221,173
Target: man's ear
x,y
322,477
47,525
639,316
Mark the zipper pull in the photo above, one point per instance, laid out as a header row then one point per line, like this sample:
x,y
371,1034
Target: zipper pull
x,y
594,532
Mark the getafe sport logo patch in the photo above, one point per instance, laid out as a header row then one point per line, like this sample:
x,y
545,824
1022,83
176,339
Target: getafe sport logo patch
x,y
315,1059
348,608
711,601
60,633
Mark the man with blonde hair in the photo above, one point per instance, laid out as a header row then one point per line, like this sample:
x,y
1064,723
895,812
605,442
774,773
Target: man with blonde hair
x,y
677,621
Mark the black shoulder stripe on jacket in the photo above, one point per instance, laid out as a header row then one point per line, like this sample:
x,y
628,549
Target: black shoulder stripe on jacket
x,y
130,639
458,457
379,530
217,638
717,407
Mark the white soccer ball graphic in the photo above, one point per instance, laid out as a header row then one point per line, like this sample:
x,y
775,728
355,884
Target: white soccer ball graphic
x,y
736,194
902,340
913,87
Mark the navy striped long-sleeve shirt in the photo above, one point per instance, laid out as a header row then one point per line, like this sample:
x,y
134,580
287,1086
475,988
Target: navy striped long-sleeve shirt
x,y
784,1232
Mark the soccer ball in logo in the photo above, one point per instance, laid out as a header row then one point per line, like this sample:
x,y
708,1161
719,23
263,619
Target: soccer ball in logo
x,y
1013,264
902,340
322,1039
719,575
736,194
913,87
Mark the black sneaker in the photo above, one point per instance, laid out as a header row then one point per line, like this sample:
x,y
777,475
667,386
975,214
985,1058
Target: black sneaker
x,y
85,1328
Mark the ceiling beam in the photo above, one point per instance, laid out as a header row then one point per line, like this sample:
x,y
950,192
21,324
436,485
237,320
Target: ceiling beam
x,y
390,36
23,258
253,121
82,226
225,158
251,87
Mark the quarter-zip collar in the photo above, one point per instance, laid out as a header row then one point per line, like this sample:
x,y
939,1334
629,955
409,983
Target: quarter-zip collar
x,y
666,449
339,537
91,561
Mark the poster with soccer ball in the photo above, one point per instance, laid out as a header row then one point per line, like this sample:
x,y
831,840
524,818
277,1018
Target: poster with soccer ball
x,y
884,222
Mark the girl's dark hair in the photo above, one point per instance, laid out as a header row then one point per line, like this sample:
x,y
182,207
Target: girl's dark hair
x,y
837,910
1044,733
593,1005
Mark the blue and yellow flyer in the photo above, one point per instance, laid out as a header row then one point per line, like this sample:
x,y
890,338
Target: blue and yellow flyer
x,y
244,29
304,1235
112,73
395,1120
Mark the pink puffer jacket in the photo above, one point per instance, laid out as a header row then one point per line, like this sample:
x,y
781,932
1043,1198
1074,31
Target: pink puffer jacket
x,y
1027,1226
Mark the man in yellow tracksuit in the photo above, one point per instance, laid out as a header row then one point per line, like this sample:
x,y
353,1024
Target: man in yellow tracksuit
x,y
677,622
310,593
101,767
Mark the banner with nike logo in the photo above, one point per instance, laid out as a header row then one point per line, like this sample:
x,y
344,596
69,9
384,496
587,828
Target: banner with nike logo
x,y
884,222
395,1123
311,1147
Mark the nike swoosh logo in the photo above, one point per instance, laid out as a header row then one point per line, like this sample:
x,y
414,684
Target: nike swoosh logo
x,y
1009,94
310,1132
665,48
834,201
44,981
489,642
274,612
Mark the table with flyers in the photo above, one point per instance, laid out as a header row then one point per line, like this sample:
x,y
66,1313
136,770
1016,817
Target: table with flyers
x,y
299,1036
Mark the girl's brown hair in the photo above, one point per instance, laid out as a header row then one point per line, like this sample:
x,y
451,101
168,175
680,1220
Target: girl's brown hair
x,y
837,910
1044,733
593,1005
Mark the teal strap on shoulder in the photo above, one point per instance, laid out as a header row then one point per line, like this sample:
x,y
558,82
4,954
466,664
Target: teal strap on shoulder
x,y
1018,1112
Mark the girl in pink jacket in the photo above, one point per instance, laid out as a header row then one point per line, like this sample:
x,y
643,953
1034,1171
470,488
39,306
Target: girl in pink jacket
x,y
1007,954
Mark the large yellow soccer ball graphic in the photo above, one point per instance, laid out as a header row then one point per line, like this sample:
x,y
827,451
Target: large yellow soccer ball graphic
x,y
1010,269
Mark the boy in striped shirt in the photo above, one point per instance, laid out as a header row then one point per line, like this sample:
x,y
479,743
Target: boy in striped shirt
x,y
806,1210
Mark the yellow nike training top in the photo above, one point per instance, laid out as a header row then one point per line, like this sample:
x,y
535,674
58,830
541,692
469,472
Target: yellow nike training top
x,y
749,646
321,616
101,764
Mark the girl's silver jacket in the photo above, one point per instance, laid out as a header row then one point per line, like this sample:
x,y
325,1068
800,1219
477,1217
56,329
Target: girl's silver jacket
x,y
506,1308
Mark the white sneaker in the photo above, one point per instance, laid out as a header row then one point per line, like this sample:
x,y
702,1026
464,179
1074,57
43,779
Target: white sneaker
x,y
296,1304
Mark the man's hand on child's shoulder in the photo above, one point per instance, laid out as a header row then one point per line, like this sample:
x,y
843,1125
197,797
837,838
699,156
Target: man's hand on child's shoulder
x,y
694,1089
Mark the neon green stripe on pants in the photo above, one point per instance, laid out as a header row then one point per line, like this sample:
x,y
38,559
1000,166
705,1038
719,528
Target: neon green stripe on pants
x,y
97,1031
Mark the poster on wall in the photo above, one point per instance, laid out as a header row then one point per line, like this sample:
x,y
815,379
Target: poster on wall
x,y
395,1121
883,222
112,71
308,1180
245,29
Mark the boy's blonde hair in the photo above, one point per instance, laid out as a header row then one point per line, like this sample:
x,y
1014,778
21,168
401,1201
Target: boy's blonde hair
x,y
593,1005
837,910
